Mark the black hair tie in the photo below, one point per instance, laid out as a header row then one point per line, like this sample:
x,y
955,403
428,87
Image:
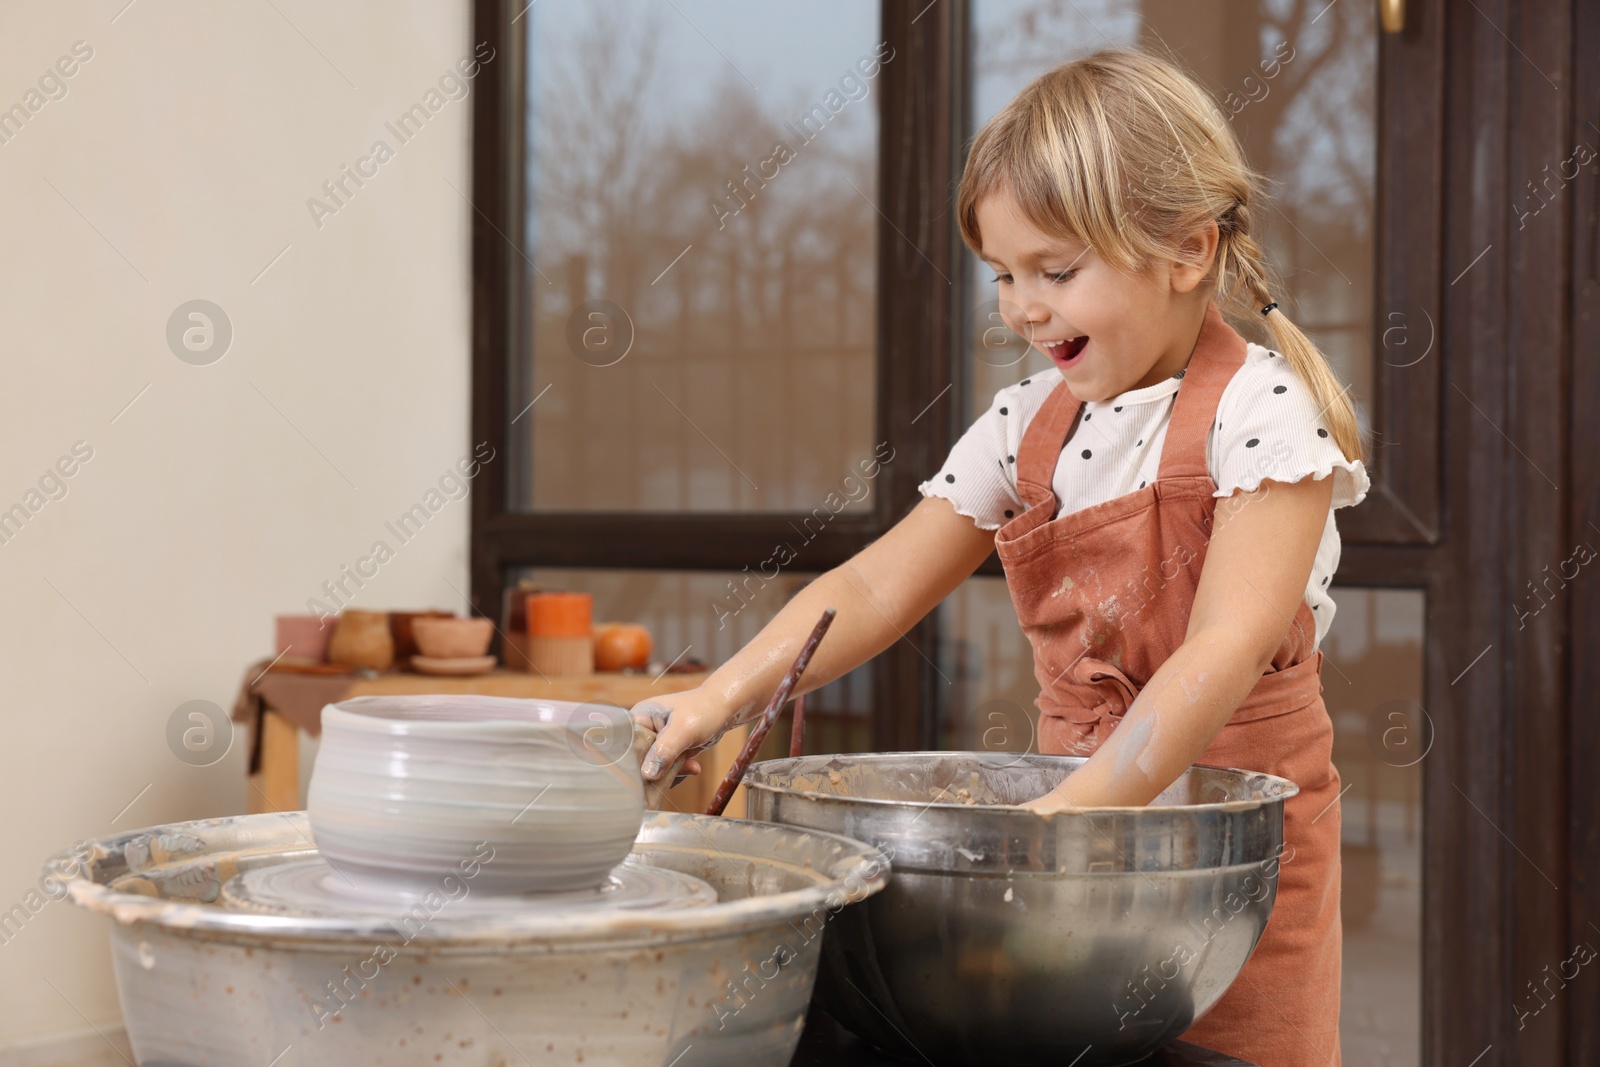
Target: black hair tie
x,y
1269,307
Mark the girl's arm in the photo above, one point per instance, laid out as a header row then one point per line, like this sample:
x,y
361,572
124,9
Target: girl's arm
x,y
879,593
1255,573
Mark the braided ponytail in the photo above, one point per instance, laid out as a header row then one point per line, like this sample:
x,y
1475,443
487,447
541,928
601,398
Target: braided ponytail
x,y
1242,278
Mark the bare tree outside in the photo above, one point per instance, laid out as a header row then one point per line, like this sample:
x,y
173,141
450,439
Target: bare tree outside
x,y
732,235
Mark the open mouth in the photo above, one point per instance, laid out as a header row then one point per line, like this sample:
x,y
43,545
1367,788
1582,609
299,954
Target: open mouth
x,y
1066,354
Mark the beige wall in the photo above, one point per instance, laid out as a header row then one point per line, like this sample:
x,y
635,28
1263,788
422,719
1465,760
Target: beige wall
x,y
187,146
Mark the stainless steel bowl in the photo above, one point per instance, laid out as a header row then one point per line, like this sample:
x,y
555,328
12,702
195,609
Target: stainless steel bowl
x,y
1009,937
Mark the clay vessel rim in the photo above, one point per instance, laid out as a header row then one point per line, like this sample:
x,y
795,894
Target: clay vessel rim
x,y
431,622
467,715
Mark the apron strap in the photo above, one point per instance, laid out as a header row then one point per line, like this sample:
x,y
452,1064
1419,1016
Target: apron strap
x,y
1219,351
1043,441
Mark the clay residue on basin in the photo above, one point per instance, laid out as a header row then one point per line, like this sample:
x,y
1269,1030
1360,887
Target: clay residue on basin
x,y
981,779
936,779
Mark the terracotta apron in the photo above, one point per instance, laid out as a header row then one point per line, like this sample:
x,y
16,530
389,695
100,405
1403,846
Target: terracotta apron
x,y
1104,596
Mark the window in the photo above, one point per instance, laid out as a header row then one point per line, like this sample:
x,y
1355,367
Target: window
x,y
703,284
702,327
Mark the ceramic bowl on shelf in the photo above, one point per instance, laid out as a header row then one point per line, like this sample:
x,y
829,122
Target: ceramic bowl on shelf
x,y
401,628
406,786
452,637
454,668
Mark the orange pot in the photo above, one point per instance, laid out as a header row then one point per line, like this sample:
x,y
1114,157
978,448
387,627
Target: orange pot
x,y
560,614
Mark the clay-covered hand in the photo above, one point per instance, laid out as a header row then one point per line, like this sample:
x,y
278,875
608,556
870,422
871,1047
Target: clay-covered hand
x,y
655,792
683,724
1049,804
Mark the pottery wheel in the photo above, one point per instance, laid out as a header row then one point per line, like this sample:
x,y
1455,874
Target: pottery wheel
x,y
314,888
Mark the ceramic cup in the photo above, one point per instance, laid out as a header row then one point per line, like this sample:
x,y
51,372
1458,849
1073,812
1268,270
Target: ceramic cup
x,y
406,789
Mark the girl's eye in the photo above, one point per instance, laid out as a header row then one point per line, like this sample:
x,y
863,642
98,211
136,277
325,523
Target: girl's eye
x,y
1064,276
1000,278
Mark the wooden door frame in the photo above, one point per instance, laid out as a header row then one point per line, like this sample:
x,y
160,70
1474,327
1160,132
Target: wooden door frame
x,y
1576,630
1474,106
1511,332
921,327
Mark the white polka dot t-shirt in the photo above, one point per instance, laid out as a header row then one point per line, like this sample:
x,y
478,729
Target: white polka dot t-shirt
x,y
1268,426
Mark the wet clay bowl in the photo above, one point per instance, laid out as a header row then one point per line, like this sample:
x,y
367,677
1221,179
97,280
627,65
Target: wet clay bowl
x,y
1091,938
452,638
404,784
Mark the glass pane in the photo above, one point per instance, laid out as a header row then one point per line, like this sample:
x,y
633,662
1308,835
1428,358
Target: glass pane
x,y
706,616
701,227
1311,128
1372,685
988,705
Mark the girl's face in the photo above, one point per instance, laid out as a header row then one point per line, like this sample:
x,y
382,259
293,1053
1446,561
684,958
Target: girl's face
x,y
1107,331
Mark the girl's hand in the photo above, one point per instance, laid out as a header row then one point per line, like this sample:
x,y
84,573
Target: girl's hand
x,y
682,724
1049,804
879,594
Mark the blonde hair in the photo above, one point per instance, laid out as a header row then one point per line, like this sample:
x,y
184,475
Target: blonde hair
x,y
1127,154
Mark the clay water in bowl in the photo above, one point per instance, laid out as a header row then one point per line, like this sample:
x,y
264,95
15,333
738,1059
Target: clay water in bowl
x,y
1089,938
403,785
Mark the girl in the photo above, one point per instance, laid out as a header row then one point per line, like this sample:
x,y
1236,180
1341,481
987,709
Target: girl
x,y
1161,499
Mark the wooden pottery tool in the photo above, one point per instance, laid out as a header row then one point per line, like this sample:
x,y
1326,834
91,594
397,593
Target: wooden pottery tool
x,y
758,733
797,733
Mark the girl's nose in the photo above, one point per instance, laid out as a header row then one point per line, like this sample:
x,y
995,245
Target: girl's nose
x,y
1035,313
1033,326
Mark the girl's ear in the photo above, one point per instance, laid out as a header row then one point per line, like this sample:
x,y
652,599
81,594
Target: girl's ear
x,y
1199,253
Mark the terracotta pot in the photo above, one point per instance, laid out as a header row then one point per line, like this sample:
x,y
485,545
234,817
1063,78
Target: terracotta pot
x,y
453,638
560,655
303,637
362,639
400,628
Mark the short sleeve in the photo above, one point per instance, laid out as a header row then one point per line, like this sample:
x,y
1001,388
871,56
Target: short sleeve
x,y
979,477
1270,426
